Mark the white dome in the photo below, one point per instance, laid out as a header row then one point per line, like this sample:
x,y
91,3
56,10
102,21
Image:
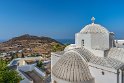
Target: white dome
x,y
69,47
72,68
94,28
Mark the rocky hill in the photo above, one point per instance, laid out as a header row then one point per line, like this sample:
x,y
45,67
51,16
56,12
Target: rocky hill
x,y
31,44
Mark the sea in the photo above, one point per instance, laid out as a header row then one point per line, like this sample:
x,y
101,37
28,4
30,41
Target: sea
x,y
2,41
66,41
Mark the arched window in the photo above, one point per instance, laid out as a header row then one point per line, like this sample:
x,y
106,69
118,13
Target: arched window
x,y
82,42
103,73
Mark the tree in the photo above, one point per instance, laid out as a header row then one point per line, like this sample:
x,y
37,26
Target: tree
x,y
8,75
40,65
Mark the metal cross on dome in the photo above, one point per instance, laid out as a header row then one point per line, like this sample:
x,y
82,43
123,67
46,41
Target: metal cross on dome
x,y
93,20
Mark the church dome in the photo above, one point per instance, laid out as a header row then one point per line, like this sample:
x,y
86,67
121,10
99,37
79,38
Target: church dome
x,y
94,28
72,69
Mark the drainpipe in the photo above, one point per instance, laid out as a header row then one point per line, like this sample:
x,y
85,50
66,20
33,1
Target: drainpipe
x,y
118,76
121,76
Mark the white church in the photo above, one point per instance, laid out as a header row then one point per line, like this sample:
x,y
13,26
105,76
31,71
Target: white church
x,y
94,58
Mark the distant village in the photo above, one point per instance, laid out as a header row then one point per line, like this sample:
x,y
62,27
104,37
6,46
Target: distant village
x,y
30,56
28,46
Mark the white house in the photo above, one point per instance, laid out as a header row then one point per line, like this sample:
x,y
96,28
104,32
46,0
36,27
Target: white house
x,y
22,67
94,58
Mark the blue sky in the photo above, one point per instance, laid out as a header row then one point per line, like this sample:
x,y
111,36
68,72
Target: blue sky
x,y
58,19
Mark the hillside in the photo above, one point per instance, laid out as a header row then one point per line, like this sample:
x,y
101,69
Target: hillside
x,y
31,44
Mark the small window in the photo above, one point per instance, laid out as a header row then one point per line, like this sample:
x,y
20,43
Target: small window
x,y
123,44
82,42
103,73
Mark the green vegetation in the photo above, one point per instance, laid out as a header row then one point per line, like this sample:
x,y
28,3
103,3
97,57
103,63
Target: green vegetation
x,y
40,65
57,47
35,55
7,75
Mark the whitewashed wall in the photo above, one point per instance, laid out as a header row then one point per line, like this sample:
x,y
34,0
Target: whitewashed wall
x,y
86,37
91,43
108,77
54,59
26,68
100,41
